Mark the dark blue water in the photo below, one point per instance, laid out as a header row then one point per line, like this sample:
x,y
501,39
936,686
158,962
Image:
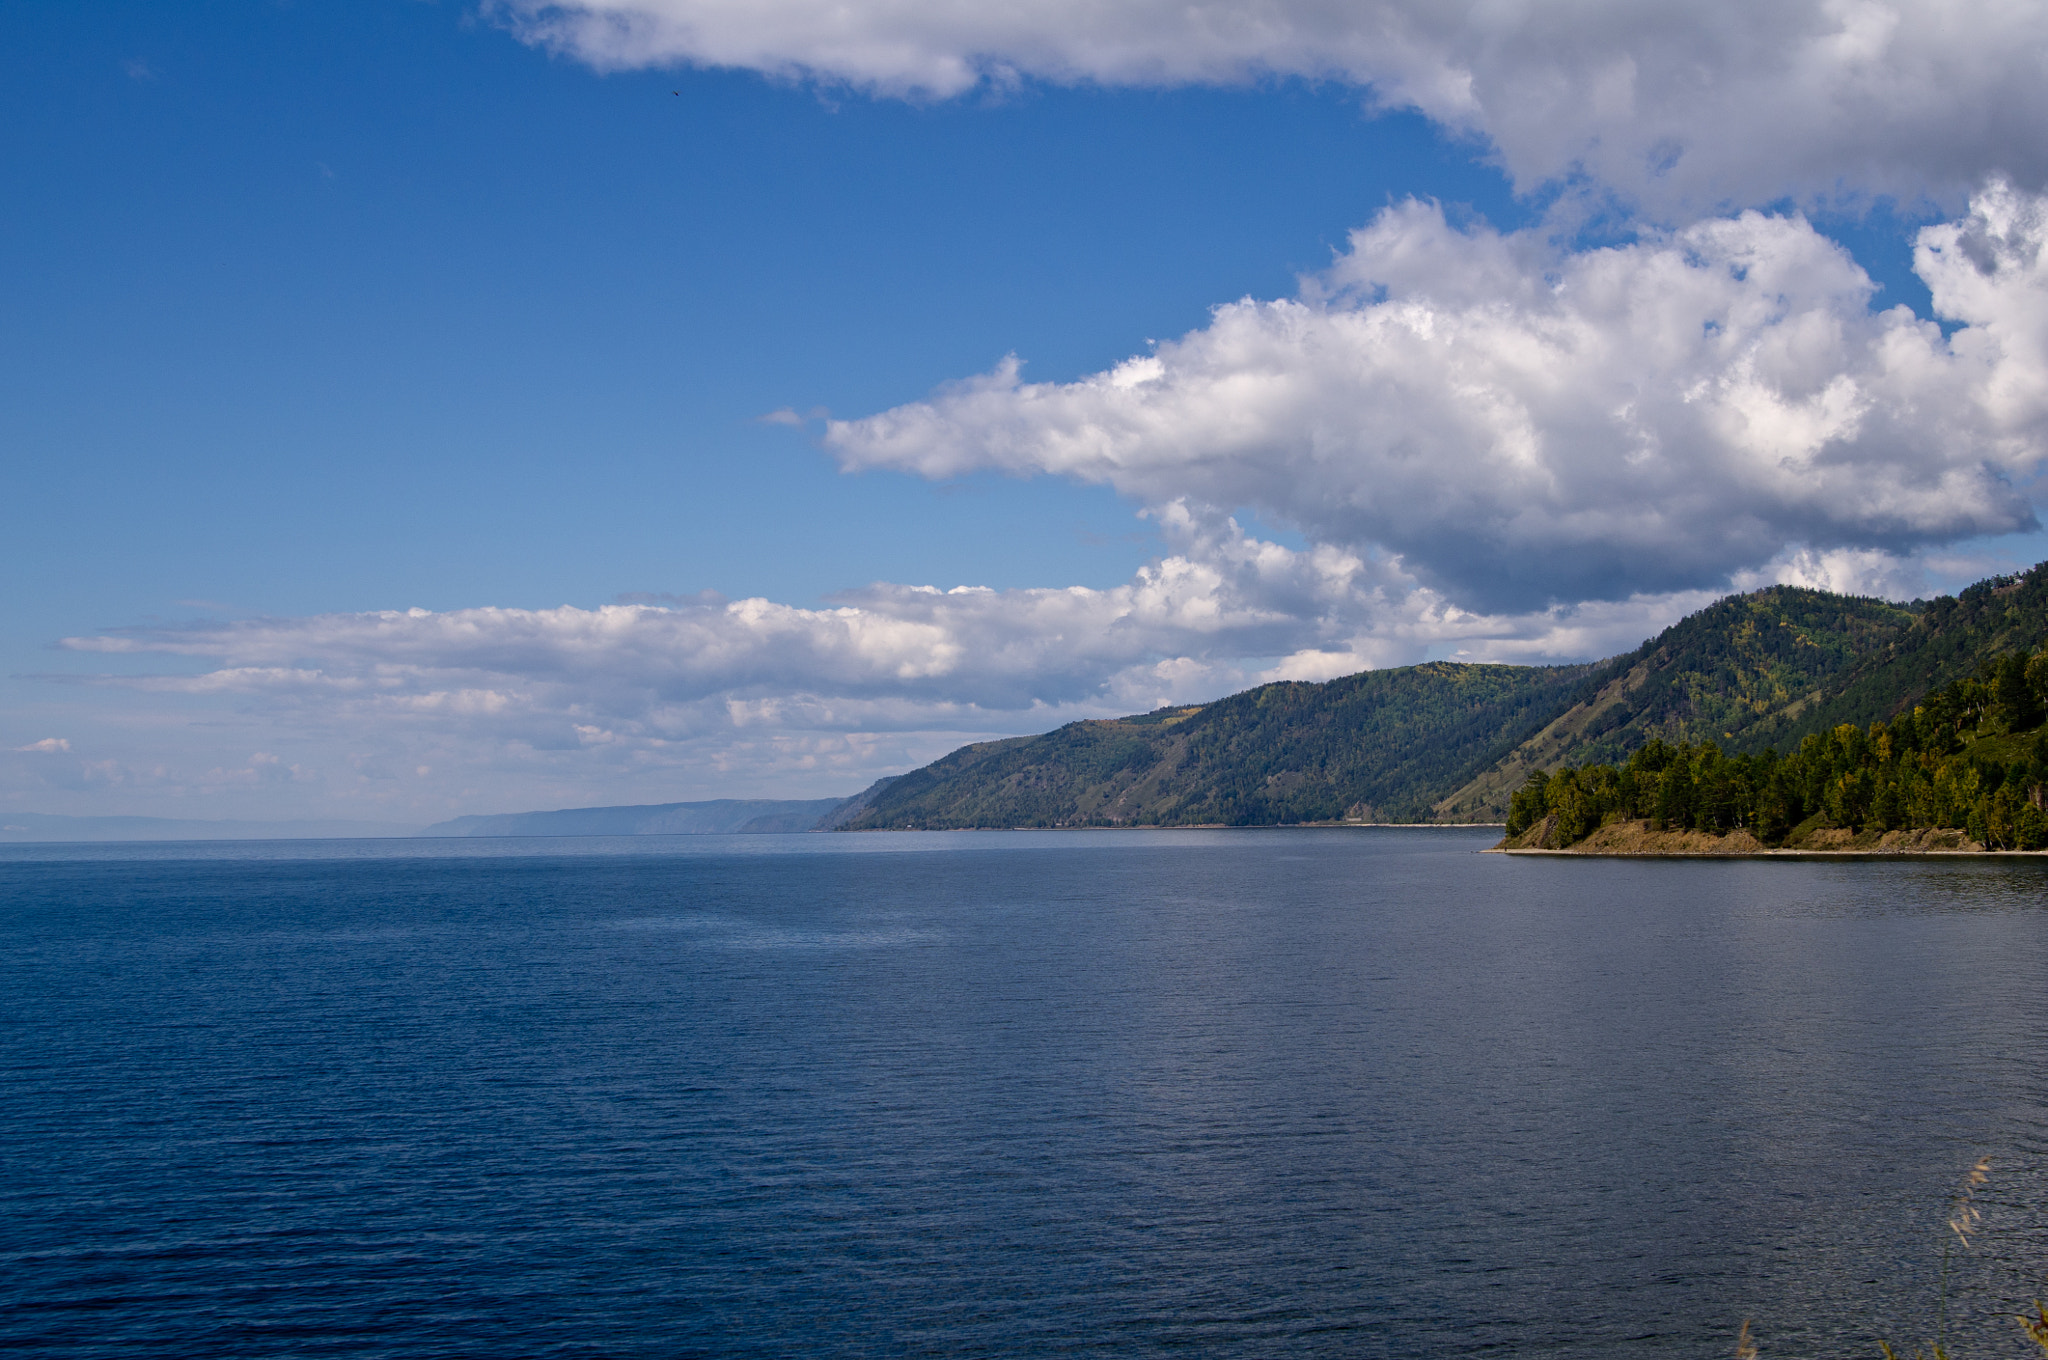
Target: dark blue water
x,y
1272,1094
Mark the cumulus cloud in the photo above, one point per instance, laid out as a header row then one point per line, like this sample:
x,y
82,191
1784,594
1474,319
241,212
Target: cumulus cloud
x,y
1520,423
1681,107
47,746
885,655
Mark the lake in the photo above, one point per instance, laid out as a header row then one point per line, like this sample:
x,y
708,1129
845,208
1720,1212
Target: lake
x,y
1273,1093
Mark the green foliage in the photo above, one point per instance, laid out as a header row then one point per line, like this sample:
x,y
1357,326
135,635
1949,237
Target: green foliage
x,y
1766,670
1951,639
1377,746
1738,663
1952,762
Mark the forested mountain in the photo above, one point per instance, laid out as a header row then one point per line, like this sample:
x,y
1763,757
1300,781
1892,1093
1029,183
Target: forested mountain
x,y
1452,743
1762,671
1952,639
1966,767
1373,747
1741,672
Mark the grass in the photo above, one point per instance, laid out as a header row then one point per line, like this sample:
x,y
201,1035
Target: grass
x,y
1964,1223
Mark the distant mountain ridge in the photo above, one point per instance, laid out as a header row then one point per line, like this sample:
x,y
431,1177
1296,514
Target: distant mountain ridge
x,y
1449,743
717,816
54,827
1379,746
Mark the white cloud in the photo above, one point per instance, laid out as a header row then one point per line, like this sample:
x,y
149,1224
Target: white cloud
x,y
510,707
884,656
1683,107
1519,424
421,715
1851,571
47,746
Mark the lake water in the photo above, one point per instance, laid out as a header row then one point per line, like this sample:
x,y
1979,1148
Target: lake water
x,y
1344,1093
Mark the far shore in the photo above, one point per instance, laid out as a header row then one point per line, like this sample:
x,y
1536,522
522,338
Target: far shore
x,y
1207,826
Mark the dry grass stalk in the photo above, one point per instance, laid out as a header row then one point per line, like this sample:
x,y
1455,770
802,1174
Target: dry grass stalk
x,y
2037,1326
1965,1219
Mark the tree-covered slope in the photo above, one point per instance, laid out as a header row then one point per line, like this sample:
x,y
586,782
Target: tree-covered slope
x,y
1966,767
1744,662
1373,747
1762,671
1951,639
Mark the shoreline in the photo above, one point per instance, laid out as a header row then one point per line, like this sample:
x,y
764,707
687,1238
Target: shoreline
x,y
1771,854
1197,826
1639,839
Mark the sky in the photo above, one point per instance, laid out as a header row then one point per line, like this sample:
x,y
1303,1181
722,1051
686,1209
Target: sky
x,y
412,408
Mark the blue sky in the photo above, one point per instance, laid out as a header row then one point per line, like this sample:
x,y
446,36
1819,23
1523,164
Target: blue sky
x,y
317,311
379,277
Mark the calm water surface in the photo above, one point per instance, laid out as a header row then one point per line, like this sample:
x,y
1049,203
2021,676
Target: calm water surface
x,y
1255,1093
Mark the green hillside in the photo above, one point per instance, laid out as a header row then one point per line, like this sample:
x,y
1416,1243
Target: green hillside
x,y
1763,671
1371,747
1452,743
1964,767
1952,639
1741,672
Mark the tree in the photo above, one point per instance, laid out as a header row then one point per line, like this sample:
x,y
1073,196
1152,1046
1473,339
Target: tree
x,y
1528,806
2018,705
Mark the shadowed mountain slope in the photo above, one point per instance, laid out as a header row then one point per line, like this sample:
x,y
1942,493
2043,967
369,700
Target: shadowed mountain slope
x,y
1373,747
1952,638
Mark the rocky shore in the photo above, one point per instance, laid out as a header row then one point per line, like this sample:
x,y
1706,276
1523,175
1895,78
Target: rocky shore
x,y
1642,838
